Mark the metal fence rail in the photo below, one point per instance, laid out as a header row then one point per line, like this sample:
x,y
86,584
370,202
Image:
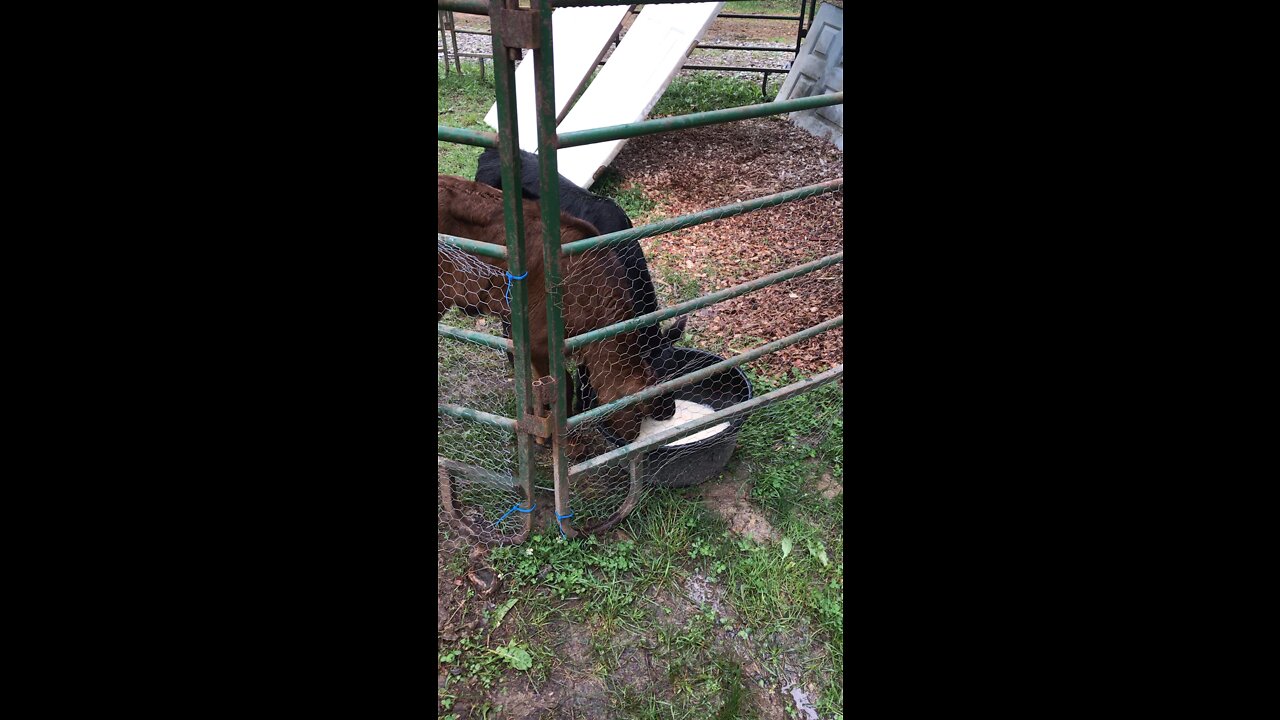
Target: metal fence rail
x,y
685,221
547,397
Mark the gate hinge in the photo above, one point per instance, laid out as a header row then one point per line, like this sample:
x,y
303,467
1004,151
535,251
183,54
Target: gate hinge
x,y
515,28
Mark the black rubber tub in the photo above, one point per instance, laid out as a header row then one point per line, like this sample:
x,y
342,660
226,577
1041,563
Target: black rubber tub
x,y
701,460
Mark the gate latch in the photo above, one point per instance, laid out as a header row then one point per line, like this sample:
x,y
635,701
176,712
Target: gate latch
x,y
539,427
541,420
515,28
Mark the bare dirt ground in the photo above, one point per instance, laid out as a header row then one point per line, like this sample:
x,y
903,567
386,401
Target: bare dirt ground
x,y
728,499
574,687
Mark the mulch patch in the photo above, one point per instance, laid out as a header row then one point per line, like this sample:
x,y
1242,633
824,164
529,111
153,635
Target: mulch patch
x,y
702,168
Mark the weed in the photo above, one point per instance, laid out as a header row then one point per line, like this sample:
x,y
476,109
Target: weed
x,y
516,655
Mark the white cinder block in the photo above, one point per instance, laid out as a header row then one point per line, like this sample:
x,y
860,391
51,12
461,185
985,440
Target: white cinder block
x,y
819,70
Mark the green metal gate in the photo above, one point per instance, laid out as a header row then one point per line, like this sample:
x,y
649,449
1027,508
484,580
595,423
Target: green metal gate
x,y
541,404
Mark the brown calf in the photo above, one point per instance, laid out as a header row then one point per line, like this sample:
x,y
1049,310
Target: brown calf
x,y
596,291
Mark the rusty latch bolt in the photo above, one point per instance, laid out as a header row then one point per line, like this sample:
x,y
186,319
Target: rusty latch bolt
x,y
540,421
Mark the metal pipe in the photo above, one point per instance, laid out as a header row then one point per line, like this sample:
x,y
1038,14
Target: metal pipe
x,y
700,375
698,218
466,137
475,247
484,418
472,7
707,421
658,316
731,68
493,341
681,122
504,79
544,85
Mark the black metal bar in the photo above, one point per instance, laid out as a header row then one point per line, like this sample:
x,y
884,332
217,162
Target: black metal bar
x,y
730,68
799,28
758,17
700,46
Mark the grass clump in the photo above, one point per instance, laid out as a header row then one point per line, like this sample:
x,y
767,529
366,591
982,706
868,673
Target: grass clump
x,y
634,200
763,7
462,101
704,91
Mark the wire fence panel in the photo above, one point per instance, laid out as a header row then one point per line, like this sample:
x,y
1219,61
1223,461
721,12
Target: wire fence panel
x,y
654,400
477,465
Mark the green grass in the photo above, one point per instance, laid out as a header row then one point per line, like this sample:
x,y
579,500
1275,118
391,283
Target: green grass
x,y
462,101
625,593
763,7
704,91
630,196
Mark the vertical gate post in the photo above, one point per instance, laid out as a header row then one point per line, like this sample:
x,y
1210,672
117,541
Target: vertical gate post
x,y
444,41
549,184
513,217
453,30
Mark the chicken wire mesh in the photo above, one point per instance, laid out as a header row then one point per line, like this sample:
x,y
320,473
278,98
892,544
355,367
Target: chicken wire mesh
x,y
476,463
598,287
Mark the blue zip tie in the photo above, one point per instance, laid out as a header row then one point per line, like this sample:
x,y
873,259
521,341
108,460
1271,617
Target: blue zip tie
x,y
560,522
511,277
515,508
